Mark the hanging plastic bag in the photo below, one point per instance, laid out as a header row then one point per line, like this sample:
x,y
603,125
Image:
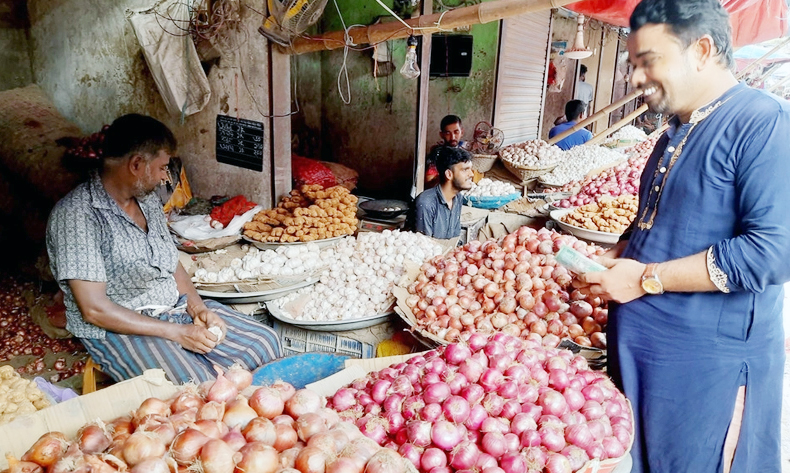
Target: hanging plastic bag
x,y
172,58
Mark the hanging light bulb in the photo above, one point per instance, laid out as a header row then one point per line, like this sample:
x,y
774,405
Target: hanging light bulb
x,y
410,69
578,51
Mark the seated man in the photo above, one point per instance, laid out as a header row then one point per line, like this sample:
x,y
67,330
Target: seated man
x,y
451,132
573,111
438,209
128,299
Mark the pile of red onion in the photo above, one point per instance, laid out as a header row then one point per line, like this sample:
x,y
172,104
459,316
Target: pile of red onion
x,y
20,336
90,147
494,405
215,429
513,285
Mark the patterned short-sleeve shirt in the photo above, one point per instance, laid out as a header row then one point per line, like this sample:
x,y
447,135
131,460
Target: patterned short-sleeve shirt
x,y
90,238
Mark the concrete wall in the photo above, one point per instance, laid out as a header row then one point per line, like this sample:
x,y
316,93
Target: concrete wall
x,y
375,133
87,58
15,58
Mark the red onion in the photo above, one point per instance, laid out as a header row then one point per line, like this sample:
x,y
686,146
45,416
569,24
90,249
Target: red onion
x,y
477,415
464,456
223,390
456,409
343,399
553,403
576,456
557,463
412,453
436,393
552,439
445,435
579,435
431,412
530,438
513,463
592,410
419,432
494,444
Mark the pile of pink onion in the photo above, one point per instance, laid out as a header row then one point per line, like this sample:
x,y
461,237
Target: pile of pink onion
x,y
513,285
622,179
215,429
491,405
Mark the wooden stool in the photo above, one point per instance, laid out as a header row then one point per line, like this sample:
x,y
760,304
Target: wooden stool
x,y
89,376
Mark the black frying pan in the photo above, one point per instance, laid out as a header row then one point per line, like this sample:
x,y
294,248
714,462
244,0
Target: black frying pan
x,y
384,208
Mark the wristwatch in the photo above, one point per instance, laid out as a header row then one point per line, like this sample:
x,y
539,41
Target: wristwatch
x,y
650,282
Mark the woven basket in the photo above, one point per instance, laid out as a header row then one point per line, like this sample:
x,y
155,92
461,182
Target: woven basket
x,y
483,162
525,173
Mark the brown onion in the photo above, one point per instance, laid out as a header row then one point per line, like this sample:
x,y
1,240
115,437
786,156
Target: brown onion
x,y
311,460
93,438
223,390
267,402
186,399
47,449
186,446
141,446
217,457
258,458
261,429
302,402
151,465
238,413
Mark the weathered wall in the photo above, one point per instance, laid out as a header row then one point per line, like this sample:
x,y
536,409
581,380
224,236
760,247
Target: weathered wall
x,y
375,133
87,58
15,58
562,29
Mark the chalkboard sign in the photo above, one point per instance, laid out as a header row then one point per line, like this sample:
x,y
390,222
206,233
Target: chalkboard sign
x,y
240,142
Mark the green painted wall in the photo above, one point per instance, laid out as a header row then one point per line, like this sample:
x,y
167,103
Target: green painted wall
x,y
375,133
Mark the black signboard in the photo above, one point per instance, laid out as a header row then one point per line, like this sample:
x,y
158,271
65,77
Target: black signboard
x,y
240,142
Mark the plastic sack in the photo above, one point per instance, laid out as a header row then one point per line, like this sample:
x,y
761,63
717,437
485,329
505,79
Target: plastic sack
x,y
172,58
198,228
310,171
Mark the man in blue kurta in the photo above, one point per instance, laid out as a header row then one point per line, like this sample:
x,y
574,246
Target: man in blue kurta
x,y
696,287
573,111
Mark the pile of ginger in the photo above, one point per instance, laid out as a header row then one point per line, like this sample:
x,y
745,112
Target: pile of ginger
x,y
310,213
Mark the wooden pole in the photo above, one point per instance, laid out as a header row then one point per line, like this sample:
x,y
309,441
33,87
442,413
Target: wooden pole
x,y
757,62
631,116
596,116
421,149
781,82
424,24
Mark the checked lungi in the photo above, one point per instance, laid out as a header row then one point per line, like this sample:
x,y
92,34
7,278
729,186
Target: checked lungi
x,y
247,342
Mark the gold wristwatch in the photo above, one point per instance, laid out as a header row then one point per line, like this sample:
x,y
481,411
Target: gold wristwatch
x,y
650,282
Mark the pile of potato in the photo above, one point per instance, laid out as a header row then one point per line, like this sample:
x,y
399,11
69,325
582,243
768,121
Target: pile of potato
x,y
608,215
308,214
18,396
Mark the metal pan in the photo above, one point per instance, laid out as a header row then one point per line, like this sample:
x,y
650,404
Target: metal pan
x,y
383,208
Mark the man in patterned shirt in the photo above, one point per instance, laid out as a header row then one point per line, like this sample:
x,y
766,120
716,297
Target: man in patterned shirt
x,y
127,297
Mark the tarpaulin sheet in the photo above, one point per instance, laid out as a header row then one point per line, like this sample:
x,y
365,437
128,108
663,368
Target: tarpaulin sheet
x,y
753,21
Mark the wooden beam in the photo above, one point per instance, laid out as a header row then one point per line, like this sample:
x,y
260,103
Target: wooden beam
x,y
421,148
280,122
595,116
424,24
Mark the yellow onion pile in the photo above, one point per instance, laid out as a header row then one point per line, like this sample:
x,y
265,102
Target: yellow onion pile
x,y
212,428
513,285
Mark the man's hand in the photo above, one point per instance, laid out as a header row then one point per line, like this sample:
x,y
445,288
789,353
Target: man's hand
x,y
204,317
622,282
195,338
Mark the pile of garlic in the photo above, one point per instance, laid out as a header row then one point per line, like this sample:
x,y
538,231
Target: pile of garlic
x,y
18,396
256,264
579,161
628,133
532,154
362,272
490,188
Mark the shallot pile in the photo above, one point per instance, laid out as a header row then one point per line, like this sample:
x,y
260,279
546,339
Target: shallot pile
x,y
214,429
513,285
362,272
622,179
498,405
20,335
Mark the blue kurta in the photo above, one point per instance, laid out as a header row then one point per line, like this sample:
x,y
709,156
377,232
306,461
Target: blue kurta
x,y
680,357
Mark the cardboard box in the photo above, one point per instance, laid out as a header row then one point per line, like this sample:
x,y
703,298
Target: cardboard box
x,y
67,417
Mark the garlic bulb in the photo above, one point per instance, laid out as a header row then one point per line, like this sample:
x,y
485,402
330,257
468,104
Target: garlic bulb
x,y
579,161
285,261
533,153
490,188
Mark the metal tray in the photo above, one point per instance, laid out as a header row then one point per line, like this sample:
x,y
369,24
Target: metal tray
x,y
583,233
374,208
259,296
328,326
273,246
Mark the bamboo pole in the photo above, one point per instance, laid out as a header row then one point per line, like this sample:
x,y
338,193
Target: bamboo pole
x,y
604,112
631,116
781,82
757,62
424,24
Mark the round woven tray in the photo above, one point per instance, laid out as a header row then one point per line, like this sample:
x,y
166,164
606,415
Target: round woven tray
x,y
483,162
525,173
